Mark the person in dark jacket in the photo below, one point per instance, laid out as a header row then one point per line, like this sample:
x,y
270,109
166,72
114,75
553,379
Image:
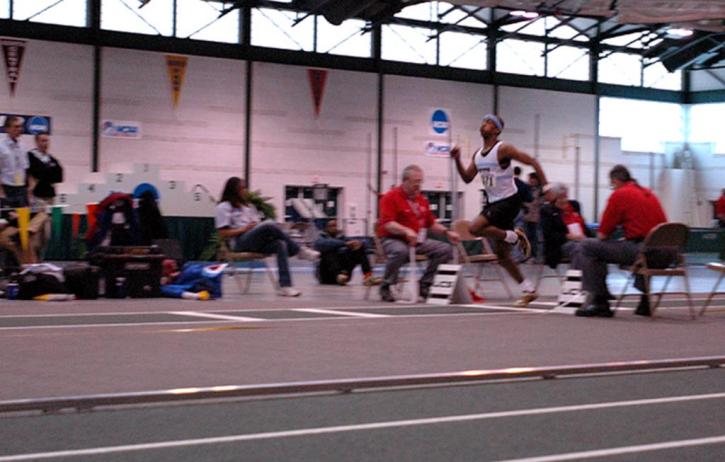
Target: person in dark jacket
x,y
151,222
339,256
563,227
44,170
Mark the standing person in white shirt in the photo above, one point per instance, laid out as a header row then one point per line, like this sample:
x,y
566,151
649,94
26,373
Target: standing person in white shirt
x,y
13,164
241,225
493,163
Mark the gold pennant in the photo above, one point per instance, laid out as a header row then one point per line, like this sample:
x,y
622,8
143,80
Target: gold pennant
x,y
176,68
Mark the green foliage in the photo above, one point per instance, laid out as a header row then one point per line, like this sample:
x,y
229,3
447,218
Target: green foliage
x,y
211,249
262,204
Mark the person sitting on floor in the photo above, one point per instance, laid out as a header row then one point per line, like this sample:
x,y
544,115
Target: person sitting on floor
x,y
339,257
239,222
563,227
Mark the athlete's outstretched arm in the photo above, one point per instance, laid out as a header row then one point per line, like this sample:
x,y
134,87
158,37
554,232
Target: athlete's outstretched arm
x,y
507,150
467,174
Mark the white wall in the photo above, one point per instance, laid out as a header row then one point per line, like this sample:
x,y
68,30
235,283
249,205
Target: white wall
x,y
200,141
292,146
56,80
409,104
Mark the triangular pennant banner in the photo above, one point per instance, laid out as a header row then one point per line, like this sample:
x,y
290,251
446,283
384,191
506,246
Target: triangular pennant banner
x,y
13,51
176,68
317,78
56,220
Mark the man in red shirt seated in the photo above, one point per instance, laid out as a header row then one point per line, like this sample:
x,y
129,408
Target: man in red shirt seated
x,y
405,219
637,210
720,210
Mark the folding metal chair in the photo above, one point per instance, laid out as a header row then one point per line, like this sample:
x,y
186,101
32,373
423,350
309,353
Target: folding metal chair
x,y
720,267
661,255
380,259
227,256
486,256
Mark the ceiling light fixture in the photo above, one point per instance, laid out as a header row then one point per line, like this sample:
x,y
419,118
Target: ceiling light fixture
x,y
525,14
679,32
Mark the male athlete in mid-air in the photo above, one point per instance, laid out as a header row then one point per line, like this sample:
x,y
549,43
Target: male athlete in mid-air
x,y
493,163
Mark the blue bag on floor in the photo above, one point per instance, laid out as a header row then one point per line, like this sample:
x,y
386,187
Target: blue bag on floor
x,y
195,277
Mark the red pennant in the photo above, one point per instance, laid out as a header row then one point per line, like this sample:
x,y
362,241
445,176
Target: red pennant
x,y
13,51
317,78
75,224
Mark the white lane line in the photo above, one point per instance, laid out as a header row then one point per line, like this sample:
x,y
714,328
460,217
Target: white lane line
x,y
623,450
351,428
354,314
504,308
199,314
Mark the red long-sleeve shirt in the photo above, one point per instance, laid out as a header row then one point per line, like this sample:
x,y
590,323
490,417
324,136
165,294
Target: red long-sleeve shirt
x,y
720,206
395,206
636,208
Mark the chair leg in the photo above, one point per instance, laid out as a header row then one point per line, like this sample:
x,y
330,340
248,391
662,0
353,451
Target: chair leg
x,y
239,279
624,292
712,294
661,293
689,298
270,274
539,274
502,278
647,292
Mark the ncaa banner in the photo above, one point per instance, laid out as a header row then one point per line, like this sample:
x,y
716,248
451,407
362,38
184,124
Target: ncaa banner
x,y
13,51
32,124
121,129
176,69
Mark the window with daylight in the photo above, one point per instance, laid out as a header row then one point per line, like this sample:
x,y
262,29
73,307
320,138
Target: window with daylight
x,y
409,44
657,76
706,125
423,11
350,38
65,13
520,57
4,9
621,69
462,16
277,29
563,31
203,20
155,18
568,63
643,126
463,50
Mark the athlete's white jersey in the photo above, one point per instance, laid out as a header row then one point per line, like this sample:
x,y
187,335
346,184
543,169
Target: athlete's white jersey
x,y
498,183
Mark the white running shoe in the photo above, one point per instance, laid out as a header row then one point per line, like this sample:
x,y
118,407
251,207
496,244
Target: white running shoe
x,y
307,253
288,292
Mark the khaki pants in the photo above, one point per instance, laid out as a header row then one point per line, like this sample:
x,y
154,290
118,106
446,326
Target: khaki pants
x,y
36,230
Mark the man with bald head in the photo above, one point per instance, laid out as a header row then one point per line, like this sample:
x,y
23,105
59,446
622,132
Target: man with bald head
x,y
405,219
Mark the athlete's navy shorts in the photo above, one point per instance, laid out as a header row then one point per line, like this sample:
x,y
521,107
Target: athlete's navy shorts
x,y
502,214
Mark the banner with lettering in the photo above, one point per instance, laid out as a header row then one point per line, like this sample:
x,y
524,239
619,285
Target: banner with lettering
x,y
176,68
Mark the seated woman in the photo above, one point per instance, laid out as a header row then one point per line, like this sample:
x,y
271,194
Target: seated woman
x,y
563,227
340,256
240,224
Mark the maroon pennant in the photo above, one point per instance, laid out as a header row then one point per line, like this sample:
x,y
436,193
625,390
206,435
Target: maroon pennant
x,y
13,51
317,78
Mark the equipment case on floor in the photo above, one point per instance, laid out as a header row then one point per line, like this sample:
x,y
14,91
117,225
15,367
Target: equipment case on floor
x,y
133,271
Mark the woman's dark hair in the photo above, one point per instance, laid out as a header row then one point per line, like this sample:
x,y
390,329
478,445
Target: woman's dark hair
x,y
231,192
620,172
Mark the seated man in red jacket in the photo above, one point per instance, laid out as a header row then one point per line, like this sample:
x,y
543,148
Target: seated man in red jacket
x,y
637,210
405,219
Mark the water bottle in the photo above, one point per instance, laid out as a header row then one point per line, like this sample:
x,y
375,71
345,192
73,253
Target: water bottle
x,y
11,290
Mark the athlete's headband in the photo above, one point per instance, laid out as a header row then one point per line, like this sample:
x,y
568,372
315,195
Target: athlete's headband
x,y
493,118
